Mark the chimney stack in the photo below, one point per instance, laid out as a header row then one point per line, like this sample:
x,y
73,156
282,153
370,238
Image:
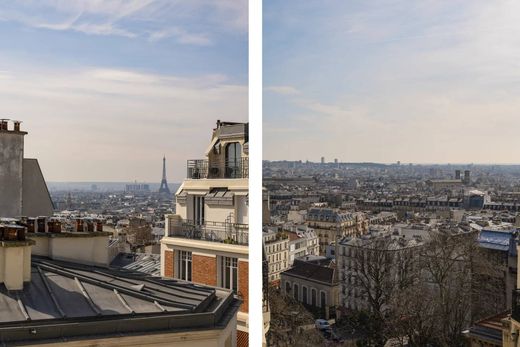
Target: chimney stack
x,y
15,255
3,124
17,125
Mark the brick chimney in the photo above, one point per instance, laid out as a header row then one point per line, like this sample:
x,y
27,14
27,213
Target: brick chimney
x,y
15,255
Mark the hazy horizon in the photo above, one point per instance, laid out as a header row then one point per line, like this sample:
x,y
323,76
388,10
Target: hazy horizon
x,y
394,163
392,80
106,88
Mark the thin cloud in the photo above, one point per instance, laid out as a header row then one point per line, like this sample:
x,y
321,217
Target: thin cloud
x,y
74,116
284,90
148,19
181,36
409,82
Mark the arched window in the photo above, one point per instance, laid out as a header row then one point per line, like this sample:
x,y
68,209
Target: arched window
x,y
287,287
323,299
233,160
304,295
296,291
313,297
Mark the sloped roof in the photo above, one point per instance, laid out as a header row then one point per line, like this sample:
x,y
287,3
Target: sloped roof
x,y
313,272
502,240
141,262
106,302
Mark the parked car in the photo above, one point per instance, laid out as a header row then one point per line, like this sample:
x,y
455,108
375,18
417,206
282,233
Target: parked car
x,y
322,324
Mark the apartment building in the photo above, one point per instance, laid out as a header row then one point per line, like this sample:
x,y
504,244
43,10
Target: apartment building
x,y
331,224
276,245
303,241
207,240
357,255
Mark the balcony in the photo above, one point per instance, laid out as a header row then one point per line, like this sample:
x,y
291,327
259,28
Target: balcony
x,y
230,233
202,168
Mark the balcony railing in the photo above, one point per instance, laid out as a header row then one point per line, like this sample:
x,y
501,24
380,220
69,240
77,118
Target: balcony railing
x,y
231,233
202,168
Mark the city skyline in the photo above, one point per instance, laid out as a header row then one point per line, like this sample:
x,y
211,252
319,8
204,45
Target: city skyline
x,y
106,88
387,81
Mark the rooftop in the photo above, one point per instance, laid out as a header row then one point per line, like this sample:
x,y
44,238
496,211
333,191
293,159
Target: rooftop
x,y
61,294
146,263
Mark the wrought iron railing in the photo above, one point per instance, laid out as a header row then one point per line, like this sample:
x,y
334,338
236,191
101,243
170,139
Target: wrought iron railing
x,y
203,168
231,233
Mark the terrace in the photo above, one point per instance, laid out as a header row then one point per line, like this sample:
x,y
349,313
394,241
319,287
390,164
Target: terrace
x,y
223,232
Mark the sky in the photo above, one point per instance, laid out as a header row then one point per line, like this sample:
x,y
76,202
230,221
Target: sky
x,y
105,88
385,81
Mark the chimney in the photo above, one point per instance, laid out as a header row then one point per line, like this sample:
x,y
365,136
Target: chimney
x,y
15,255
79,225
54,225
31,225
41,225
3,124
17,125
90,226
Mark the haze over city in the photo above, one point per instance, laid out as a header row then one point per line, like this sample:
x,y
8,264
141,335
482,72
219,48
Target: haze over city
x,y
106,88
387,81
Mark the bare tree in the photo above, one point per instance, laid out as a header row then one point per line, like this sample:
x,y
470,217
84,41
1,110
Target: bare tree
x,y
438,308
423,294
384,268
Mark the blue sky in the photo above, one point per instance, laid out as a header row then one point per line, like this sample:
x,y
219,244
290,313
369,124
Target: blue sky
x,y
422,82
105,88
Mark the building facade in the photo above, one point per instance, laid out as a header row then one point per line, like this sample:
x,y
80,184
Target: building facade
x,y
313,281
332,224
207,240
276,245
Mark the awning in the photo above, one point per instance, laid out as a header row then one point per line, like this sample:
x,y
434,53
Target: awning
x,y
219,197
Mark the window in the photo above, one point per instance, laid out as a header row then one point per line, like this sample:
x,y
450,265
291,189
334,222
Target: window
x,y
287,287
185,265
304,295
296,292
233,158
229,273
198,210
323,299
313,297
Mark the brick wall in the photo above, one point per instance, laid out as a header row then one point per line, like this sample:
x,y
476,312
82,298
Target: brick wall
x,y
242,339
204,269
243,284
169,265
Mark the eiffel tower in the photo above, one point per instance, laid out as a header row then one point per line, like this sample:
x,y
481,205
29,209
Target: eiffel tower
x,y
164,184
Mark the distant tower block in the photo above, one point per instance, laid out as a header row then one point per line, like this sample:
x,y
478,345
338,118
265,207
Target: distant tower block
x,y
457,174
467,179
164,184
323,160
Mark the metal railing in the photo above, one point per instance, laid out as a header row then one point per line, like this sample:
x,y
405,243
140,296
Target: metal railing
x,y
202,168
231,233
